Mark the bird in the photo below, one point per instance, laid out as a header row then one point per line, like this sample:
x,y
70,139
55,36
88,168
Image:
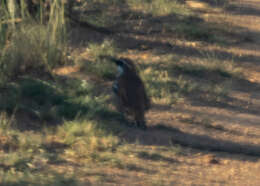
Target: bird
x,y
130,91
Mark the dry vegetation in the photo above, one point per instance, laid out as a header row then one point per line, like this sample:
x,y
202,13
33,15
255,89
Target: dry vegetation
x,y
198,59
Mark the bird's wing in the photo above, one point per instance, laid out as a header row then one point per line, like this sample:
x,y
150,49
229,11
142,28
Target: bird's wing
x,y
122,93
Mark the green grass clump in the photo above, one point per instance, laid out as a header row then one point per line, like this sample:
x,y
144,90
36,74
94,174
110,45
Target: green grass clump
x,y
163,88
50,101
87,138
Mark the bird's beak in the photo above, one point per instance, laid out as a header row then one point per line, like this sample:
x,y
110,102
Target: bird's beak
x,y
117,62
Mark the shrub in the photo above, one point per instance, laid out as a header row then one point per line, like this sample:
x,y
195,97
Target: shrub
x,y
29,46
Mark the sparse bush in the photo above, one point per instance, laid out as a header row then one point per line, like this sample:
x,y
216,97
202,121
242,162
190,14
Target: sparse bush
x,y
30,47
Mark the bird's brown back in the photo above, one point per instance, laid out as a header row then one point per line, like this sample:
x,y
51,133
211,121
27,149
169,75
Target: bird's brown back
x,y
132,91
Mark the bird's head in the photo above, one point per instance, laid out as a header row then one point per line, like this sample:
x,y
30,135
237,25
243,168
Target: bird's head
x,y
124,65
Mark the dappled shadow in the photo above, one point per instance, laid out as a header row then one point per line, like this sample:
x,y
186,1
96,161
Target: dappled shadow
x,y
36,103
235,7
202,77
144,37
165,47
224,118
243,9
146,32
80,37
231,103
216,3
190,27
128,36
207,124
204,142
206,119
167,136
227,102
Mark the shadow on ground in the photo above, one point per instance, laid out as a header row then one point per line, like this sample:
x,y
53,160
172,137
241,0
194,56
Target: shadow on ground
x,y
167,136
37,103
137,24
243,9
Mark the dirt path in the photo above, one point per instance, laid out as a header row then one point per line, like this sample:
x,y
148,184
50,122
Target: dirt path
x,y
237,120
233,127
221,142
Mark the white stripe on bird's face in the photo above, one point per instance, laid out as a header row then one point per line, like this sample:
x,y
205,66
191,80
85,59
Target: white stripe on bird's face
x,y
120,70
115,87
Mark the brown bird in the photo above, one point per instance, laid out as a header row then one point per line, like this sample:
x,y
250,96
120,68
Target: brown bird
x,y
130,91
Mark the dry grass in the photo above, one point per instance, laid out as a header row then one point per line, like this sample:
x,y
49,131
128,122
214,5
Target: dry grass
x,y
65,131
30,46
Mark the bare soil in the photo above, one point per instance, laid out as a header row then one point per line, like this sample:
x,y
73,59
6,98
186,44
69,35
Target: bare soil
x,y
238,121
220,142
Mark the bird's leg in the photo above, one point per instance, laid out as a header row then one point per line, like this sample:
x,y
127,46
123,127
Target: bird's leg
x,y
140,120
141,125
